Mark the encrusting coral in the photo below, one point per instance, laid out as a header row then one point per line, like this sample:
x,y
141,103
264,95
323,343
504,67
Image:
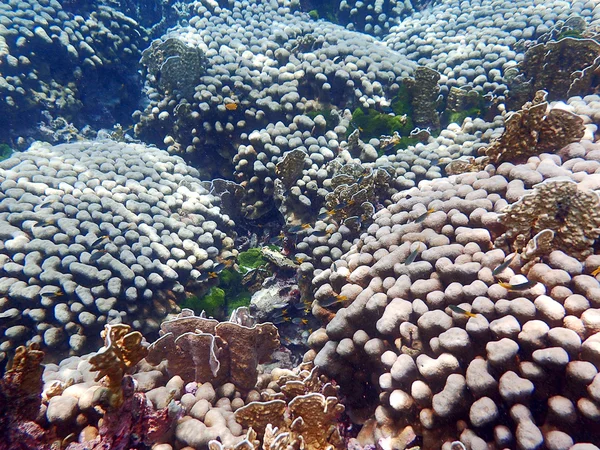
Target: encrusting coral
x,y
570,212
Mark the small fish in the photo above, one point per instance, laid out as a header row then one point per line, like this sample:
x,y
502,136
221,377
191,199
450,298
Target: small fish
x,y
596,272
503,266
356,127
99,253
299,321
299,260
518,287
218,268
277,239
320,233
424,216
99,241
341,206
299,306
333,300
459,310
52,294
231,106
297,228
325,215
357,220
46,222
412,256
229,258
205,276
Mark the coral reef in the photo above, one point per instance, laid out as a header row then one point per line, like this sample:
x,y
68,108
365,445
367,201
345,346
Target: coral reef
x,y
534,130
99,232
61,63
304,414
173,65
564,68
122,350
449,345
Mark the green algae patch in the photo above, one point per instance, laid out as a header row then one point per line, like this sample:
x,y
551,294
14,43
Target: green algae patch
x,y
251,259
374,124
5,151
213,302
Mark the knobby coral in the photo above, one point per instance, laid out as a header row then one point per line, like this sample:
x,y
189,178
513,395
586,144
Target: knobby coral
x,y
135,424
571,213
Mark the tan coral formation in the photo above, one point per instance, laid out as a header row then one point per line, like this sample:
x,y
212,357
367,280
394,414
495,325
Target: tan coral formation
x,y
534,130
564,67
122,350
204,350
307,419
571,213
438,348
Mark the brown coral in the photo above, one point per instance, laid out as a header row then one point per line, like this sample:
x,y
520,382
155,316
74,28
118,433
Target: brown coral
x,y
561,67
290,167
425,91
20,401
200,349
572,213
307,419
533,130
122,350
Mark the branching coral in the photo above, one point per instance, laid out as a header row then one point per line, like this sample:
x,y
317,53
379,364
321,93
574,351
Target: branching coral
x,y
122,350
560,206
20,400
200,349
534,130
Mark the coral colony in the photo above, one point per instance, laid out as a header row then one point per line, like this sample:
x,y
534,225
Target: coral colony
x,y
286,224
